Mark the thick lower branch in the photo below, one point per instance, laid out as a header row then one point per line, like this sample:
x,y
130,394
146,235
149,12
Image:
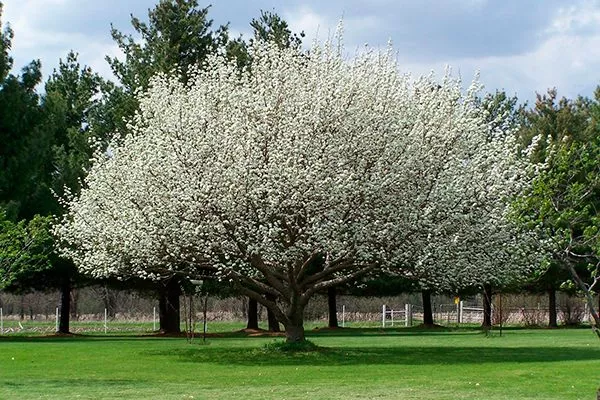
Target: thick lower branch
x,y
588,297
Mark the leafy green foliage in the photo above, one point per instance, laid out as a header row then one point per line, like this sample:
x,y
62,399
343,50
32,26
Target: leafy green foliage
x,y
6,36
25,247
22,143
71,97
562,205
565,197
270,27
553,120
178,34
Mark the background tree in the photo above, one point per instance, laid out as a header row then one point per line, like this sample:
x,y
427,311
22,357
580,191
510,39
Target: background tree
x,y
561,206
63,157
22,144
550,122
27,168
25,246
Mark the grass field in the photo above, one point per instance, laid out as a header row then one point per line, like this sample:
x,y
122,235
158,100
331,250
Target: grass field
x,y
353,364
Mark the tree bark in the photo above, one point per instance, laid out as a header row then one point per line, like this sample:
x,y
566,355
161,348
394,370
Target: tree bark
x,y
168,307
427,309
22,306
332,306
65,307
552,317
588,297
271,318
110,301
294,321
487,306
294,333
74,301
252,314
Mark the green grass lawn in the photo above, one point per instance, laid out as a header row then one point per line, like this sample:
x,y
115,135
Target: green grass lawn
x,y
353,364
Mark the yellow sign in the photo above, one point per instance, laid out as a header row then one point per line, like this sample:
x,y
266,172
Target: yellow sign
x,y
456,300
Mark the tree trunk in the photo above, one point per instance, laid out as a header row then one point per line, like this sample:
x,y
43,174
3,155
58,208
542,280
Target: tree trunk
x,y
294,322
332,306
65,306
294,333
252,314
427,309
588,297
552,318
22,310
487,306
168,307
271,318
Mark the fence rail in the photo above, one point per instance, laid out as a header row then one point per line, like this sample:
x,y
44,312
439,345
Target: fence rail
x,y
38,311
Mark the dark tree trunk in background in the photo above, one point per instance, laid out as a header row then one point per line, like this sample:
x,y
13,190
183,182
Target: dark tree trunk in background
x,y
22,310
168,307
552,317
273,323
271,318
74,301
332,307
109,298
65,307
427,309
252,314
487,306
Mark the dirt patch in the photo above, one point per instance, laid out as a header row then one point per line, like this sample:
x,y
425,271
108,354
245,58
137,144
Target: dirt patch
x,y
330,329
261,332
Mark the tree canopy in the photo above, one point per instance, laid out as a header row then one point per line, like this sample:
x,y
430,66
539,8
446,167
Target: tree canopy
x,y
299,174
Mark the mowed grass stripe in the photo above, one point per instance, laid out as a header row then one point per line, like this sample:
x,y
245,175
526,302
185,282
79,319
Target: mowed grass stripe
x,y
393,364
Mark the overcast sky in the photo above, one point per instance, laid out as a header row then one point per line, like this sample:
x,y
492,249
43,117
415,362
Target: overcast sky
x,y
522,46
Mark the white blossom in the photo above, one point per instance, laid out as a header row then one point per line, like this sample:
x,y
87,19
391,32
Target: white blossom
x,y
301,172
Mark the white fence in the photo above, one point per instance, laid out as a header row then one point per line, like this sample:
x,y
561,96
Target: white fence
x,y
403,316
57,316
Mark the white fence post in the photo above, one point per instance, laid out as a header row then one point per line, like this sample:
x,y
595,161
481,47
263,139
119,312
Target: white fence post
x,y
56,319
343,316
383,316
1,322
105,321
460,312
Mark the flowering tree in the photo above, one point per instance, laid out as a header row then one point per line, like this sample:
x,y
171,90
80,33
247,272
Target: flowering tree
x,y
301,173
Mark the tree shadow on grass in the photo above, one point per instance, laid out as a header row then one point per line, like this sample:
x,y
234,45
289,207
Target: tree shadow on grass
x,y
404,355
